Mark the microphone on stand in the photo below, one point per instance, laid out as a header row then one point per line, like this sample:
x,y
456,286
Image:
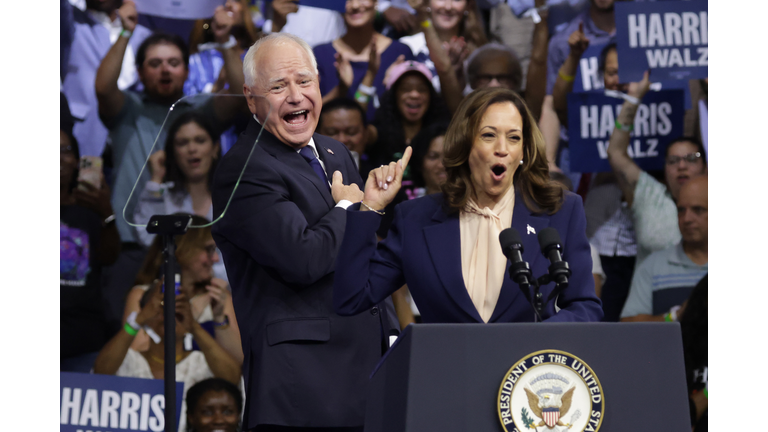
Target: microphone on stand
x,y
519,271
549,241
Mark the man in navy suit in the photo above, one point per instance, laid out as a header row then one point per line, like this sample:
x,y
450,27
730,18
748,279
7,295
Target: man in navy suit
x,y
305,367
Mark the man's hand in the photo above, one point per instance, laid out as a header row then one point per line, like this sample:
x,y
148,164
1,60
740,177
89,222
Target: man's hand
x,y
400,19
281,9
384,182
128,15
343,70
222,24
340,191
639,89
96,199
157,166
577,42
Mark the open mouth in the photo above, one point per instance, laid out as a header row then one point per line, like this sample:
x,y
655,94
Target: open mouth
x,y
682,179
296,117
194,162
498,171
413,108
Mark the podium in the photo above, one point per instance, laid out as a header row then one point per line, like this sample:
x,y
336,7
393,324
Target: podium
x,y
449,377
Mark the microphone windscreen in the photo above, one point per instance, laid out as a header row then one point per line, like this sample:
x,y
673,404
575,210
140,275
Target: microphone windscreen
x,y
508,237
548,237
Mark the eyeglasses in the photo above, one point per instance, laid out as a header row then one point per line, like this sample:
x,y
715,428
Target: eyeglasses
x,y
485,79
689,158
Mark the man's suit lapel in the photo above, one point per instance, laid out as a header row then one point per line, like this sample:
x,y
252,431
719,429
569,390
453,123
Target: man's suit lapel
x,y
528,225
293,160
444,245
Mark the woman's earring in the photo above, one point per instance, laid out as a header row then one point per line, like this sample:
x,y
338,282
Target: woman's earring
x,y
521,161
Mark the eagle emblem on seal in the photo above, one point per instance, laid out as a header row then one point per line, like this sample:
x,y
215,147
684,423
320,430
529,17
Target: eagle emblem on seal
x,y
549,400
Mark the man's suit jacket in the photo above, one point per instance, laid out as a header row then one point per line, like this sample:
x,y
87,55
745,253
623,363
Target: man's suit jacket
x,y
423,249
304,365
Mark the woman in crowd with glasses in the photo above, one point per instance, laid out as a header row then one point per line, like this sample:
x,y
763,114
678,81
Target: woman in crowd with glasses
x,y
210,299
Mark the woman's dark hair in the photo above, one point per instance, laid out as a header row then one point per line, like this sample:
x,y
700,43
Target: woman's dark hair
x,y
540,193
693,326
172,171
342,103
197,391
603,54
160,38
389,122
420,144
186,245
691,139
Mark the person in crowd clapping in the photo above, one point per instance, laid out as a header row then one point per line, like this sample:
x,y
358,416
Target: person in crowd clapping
x,y
209,296
354,65
495,164
117,357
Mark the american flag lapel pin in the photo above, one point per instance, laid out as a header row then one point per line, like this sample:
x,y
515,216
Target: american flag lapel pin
x,y
329,150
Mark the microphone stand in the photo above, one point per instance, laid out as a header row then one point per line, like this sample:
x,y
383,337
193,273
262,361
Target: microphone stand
x,y
168,226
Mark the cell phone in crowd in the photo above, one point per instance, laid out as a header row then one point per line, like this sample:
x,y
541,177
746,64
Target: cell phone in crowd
x,y
90,171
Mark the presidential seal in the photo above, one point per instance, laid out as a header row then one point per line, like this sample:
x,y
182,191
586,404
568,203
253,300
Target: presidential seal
x,y
550,391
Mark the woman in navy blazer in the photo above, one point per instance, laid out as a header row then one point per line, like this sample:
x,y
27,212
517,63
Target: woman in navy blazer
x,y
492,145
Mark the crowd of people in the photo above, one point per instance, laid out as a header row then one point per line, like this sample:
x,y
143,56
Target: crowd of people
x,y
407,87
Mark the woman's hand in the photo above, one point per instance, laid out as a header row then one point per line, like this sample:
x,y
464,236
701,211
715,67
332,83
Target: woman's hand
x,y
218,293
374,57
222,24
184,316
157,166
388,72
384,182
639,89
344,70
153,308
129,17
96,199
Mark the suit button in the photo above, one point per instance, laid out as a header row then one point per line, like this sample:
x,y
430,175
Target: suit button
x,y
375,311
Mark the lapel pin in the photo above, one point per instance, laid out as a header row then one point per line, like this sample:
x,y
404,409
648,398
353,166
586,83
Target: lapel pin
x,y
530,229
329,150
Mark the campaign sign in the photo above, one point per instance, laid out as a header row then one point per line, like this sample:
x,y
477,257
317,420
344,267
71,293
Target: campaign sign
x,y
588,76
178,9
592,118
336,5
670,38
93,402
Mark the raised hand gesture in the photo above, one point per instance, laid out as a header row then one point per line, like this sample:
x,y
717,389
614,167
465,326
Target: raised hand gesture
x,y
577,42
344,70
639,89
384,182
129,17
157,166
222,24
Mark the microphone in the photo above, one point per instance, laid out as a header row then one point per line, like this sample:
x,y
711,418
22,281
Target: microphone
x,y
549,241
512,247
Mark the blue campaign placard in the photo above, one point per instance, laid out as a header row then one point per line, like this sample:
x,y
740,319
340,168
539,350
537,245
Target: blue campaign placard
x,y
115,404
337,5
668,37
592,117
588,76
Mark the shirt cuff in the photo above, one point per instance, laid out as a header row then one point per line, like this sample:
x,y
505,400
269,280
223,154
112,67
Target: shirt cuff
x,y
344,204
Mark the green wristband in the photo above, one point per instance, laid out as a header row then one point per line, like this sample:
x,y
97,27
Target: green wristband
x,y
706,393
667,317
623,127
360,97
130,330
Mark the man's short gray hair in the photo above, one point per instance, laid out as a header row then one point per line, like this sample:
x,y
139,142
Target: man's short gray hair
x,y
249,65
